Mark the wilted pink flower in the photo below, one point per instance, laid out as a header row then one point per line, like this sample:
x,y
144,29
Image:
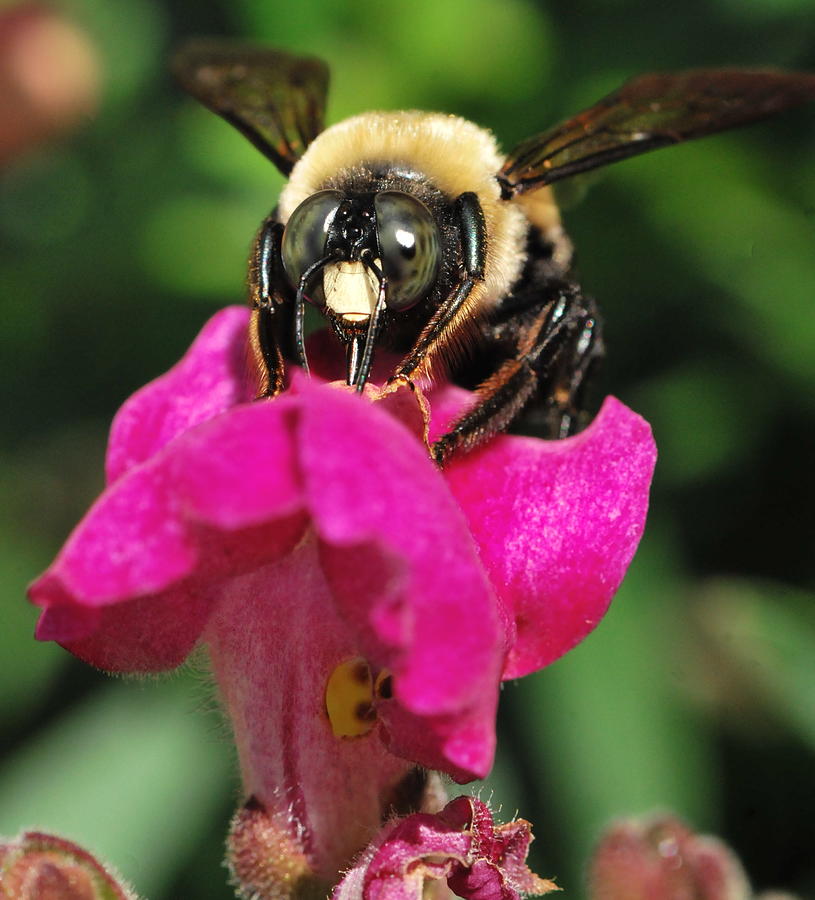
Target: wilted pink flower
x,y
360,606
461,846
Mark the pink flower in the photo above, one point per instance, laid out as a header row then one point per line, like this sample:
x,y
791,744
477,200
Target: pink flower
x,y
360,607
460,846
660,857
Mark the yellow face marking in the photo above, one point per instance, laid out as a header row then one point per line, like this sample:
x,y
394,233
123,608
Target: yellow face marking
x,y
351,290
349,697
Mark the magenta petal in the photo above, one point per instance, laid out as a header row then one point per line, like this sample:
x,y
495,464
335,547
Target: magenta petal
x,y
148,634
557,524
130,589
211,377
403,569
409,852
390,574
498,869
378,483
461,744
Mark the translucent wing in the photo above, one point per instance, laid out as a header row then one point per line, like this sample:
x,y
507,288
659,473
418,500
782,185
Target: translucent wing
x,y
275,99
649,112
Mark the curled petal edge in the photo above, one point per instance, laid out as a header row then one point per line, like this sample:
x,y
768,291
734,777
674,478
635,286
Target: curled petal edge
x,y
557,523
461,846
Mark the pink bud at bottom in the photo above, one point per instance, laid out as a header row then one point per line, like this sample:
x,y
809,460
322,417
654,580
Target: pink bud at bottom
x,y
266,860
39,866
662,859
458,852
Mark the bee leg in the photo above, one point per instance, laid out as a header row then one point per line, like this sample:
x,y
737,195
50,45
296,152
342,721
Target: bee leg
x,y
270,327
565,414
557,346
473,236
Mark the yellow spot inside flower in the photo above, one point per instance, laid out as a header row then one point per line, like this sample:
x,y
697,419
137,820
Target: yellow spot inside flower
x,y
349,697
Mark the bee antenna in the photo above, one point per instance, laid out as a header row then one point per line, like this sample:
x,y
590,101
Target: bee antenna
x,y
300,306
363,369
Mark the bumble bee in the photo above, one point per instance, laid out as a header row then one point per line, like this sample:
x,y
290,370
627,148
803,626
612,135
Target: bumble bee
x,y
411,232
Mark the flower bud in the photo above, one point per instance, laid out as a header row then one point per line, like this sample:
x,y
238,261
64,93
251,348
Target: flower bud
x,y
49,76
662,859
38,866
266,860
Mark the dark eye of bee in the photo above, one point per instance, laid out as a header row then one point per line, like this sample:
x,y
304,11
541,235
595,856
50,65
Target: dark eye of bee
x,y
410,245
304,239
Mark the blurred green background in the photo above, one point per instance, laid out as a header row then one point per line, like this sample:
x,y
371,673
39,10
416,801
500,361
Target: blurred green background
x,y
698,691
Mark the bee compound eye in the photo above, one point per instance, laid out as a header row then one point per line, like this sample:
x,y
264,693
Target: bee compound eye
x,y
304,239
411,247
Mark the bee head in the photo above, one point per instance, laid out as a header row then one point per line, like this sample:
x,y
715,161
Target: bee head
x,y
344,250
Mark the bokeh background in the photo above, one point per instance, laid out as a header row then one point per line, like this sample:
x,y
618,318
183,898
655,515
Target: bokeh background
x,y
118,240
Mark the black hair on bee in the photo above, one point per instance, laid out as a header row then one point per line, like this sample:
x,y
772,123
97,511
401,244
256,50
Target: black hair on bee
x,y
412,233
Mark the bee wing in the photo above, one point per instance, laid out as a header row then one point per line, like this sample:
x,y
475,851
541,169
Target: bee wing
x,y
273,98
648,112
